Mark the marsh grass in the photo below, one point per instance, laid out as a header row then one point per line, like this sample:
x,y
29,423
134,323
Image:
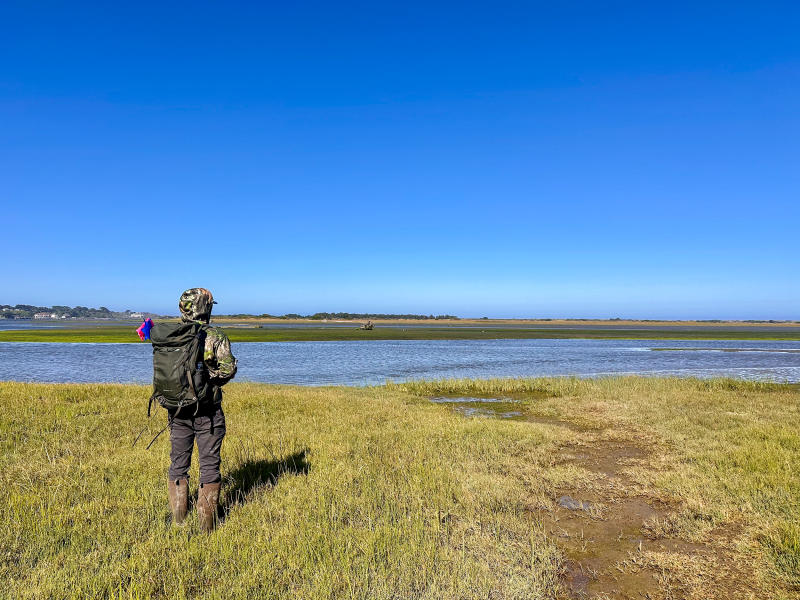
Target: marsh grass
x,y
376,492
332,492
125,334
729,449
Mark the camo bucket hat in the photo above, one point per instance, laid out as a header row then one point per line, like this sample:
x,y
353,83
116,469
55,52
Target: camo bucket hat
x,y
195,305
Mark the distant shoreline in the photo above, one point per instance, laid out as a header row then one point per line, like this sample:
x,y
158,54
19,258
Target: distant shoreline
x,y
305,331
543,322
434,322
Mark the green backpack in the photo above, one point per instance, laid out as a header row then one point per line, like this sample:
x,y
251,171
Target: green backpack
x,y
179,374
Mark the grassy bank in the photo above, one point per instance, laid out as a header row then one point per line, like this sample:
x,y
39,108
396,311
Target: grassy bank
x,y
378,493
117,334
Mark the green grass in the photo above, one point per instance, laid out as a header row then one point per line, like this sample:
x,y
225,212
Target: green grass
x,y
111,333
375,492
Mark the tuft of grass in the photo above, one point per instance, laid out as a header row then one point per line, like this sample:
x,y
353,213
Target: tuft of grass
x,y
783,543
510,385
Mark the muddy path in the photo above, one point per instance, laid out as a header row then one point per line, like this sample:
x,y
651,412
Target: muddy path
x,y
612,536
616,534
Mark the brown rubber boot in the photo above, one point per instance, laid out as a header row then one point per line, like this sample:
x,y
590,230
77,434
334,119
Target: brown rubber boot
x,y
207,500
179,500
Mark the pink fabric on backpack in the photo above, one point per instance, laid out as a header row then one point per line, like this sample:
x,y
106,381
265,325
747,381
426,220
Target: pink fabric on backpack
x,y
144,329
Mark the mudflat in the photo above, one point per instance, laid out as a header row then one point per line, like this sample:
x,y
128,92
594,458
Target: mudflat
x,y
525,488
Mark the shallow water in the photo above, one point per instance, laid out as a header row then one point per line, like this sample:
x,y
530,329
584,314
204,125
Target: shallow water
x,y
471,406
371,362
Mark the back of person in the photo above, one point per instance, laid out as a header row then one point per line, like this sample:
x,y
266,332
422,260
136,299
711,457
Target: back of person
x,y
195,414
180,377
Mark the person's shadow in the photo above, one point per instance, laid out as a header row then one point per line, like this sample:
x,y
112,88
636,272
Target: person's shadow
x,y
260,473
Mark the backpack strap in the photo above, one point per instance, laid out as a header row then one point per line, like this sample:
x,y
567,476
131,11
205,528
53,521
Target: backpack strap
x,y
189,371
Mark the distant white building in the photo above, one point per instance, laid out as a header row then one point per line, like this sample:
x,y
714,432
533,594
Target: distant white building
x,y
45,316
137,315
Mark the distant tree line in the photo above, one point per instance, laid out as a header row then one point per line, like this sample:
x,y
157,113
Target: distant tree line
x,y
26,311
361,316
342,316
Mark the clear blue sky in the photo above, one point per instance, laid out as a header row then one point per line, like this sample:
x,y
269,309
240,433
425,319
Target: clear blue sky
x,y
558,159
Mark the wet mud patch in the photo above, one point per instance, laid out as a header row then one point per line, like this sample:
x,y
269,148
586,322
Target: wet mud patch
x,y
611,550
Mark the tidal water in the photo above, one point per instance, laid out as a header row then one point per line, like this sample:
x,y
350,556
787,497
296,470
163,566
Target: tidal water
x,y
373,362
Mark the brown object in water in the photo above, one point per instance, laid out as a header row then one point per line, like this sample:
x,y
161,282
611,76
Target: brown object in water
x,y
178,499
207,500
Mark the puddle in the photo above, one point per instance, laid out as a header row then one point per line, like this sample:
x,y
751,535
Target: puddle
x,y
572,504
478,411
502,407
488,406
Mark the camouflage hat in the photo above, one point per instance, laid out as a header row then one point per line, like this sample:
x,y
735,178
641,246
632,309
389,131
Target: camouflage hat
x,y
195,304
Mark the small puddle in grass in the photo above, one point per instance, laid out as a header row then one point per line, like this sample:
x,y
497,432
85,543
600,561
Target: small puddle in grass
x,y
473,406
502,407
490,405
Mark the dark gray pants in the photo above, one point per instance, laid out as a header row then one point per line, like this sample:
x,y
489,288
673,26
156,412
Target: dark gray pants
x,y
207,427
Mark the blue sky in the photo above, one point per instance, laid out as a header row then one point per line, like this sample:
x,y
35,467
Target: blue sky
x,y
525,159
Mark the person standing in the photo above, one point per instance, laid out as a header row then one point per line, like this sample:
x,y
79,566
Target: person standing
x,y
202,420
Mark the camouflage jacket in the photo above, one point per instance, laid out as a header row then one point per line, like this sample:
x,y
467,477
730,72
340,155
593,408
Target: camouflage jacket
x,y
218,357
